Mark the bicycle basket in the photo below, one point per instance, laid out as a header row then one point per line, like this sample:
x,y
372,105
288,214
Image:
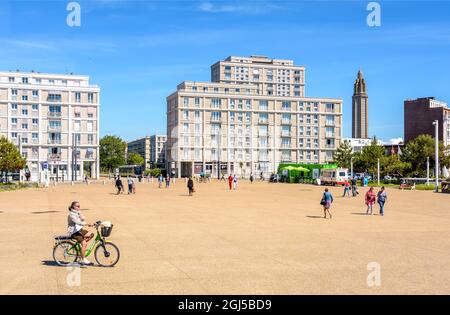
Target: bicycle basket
x,y
106,230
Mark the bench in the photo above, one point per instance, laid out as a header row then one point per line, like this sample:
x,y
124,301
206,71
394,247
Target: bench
x,y
408,186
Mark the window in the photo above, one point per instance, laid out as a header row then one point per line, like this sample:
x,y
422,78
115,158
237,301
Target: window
x,y
316,107
35,93
90,139
185,114
51,81
316,119
186,101
316,143
329,132
25,112
90,126
330,120
330,108
77,138
90,115
77,115
286,118
286,105
34,121
13,106
14,135
316,131
263,105
198,128
197,115
37,81
34,107
248,104
24,140
77,97
215,116
215,102
34,135
14,92
24,97
55,109
197,102
300,118
205,89
54,98
301,130
25,80
194,88
186,128
11,79
77,125
263,117
25,126
14,121
90,97
197,141
54,124
197,154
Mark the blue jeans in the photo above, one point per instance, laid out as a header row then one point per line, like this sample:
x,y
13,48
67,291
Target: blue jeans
x,y
346,190
381,204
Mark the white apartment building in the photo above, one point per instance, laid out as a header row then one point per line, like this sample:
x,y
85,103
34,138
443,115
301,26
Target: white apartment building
x,y
253,117
54,119
152,149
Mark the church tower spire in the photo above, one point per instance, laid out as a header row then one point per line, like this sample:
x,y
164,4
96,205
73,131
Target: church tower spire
x,y
360,109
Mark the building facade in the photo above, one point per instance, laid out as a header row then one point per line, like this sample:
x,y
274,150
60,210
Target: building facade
x,y
54,119
360,109
253,116
158,151
152,149
419,115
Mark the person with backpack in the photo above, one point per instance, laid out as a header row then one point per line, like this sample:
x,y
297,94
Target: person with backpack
x,y
190,186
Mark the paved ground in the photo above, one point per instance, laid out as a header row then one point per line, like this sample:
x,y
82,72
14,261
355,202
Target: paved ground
x,y
261,239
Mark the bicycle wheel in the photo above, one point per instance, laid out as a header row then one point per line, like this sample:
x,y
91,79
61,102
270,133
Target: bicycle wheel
x,y
107,255
65,253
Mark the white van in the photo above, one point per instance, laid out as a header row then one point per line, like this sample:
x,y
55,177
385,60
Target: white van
x,y
333,176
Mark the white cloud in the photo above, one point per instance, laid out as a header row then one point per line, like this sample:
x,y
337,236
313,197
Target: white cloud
x,y
253,8
395,141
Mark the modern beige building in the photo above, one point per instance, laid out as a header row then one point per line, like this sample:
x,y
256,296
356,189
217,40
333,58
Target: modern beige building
x,y
152,149
360,109
253,116
54,119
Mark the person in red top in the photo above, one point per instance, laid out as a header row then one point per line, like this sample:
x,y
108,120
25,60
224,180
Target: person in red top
x,y
370,200
346,188
230,182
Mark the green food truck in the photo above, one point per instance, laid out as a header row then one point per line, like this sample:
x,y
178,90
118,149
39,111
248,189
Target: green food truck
x,y
302,173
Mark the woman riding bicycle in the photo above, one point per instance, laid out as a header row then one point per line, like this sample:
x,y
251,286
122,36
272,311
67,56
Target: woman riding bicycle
x,y
76,224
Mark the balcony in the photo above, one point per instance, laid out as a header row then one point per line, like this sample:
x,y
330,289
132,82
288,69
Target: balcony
x,y
286,145
54,141
263,121
216,120
54,156
54,115
285,133
286,159
286,121
54,128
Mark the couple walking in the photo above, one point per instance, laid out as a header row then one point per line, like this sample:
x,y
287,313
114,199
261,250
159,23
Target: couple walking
x,y
380,197
232,181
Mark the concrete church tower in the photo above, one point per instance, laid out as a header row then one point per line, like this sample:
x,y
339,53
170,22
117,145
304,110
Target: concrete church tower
x,y
360,109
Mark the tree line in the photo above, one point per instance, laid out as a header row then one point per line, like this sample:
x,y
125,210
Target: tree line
x,y
411,162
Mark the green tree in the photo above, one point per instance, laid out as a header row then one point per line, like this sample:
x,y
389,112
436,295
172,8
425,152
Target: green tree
x,y
367,159
135,159
343,155
112,152
10,158
417,151
393,165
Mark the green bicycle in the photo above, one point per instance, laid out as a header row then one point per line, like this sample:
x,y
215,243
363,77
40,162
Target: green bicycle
x,y
67,250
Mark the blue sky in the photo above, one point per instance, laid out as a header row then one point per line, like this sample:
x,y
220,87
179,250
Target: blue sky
x,y
141,50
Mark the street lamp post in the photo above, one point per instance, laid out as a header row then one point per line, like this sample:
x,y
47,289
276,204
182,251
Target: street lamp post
x,y
436,152
351,167
428,170
378,171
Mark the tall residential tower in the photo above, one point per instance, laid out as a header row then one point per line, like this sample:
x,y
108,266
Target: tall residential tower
x,y
252,117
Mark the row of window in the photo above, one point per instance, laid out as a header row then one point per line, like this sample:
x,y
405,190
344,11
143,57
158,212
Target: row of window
x,y
52,97
262,104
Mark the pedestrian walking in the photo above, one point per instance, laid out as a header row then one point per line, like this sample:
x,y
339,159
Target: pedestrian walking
x,y
370,200
160,180
235,181
261,176
382,198
251,178
167,181
327,200
130,182
230,181
346,188
119,185
354,188
190,186
133,186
